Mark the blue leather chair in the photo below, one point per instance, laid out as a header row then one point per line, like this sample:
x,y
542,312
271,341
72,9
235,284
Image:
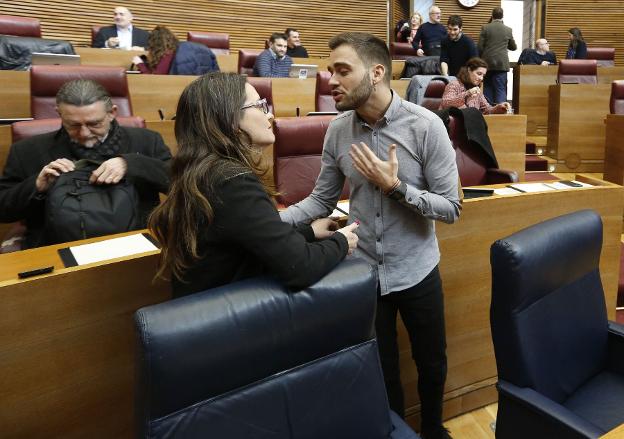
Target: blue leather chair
x,y
254,360
560,362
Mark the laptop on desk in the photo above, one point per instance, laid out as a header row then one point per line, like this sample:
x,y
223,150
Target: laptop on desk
x,y
302,71
54,59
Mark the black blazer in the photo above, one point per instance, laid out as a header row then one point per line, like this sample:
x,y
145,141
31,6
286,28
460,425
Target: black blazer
x,y
139,36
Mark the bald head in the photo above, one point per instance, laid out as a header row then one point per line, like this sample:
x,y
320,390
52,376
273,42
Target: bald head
x,y
542,46
435,14
123,17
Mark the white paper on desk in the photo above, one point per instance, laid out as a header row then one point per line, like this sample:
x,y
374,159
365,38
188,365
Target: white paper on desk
x,y
505,191
531,187
344,205
112,248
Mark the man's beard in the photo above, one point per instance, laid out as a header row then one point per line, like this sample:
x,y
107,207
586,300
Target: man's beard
x,y
358,96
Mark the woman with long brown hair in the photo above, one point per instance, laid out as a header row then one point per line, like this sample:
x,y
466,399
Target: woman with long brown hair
x,y
219,223
161,45
466,90
577,49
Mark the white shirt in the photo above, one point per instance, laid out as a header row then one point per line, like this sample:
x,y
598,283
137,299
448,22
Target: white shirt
x,y
125,38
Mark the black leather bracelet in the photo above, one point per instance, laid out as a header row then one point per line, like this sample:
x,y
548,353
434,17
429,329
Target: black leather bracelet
x,y
399,193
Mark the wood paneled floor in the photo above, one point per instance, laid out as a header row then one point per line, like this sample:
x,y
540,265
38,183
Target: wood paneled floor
x,y
474,425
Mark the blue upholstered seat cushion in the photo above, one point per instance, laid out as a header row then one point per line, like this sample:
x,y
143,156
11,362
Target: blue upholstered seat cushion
x,y
600,400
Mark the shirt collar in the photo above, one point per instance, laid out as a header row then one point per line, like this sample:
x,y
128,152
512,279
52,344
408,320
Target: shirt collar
x,y
129,28
390,113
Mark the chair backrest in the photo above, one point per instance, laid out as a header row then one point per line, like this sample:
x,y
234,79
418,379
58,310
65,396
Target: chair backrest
x,y
45,82
548,312
246,61
402,50
218,43
20,26
278,369
582,71
297,156
433,95
605,56
94,31
472,162
264,87
617,97
29,128
322,94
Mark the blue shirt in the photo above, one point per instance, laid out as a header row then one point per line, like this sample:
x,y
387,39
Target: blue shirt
x,y
268,65
431,35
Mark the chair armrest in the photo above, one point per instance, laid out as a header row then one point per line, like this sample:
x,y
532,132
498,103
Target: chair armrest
x,y
495,175
13,240
616,348
547,408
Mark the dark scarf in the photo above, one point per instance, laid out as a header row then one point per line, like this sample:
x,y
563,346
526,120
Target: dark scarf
x,y
101,151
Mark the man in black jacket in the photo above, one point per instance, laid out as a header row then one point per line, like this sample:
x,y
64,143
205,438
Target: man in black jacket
x,y
122,35
89,131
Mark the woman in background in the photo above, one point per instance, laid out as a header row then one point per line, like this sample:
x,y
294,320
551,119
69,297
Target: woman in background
x,y
407,31
161,46
466,92
219,223
577,49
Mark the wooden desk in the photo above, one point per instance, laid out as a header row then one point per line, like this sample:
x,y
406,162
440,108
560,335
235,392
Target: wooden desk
x,y
614,149
508,136
576,129
67,339
397,68
66,366
148,93
90,56
530,95
228,63
14,94
530,92
466,276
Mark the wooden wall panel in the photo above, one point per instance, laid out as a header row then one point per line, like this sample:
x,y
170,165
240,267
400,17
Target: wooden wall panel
x,y
473,18
249,23
600,21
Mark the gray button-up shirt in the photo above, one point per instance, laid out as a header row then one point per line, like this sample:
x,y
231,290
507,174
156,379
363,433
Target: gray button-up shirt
x,y
396,237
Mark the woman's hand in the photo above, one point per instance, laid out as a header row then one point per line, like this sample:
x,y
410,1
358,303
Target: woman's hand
x,y
349,233
324,227
474,91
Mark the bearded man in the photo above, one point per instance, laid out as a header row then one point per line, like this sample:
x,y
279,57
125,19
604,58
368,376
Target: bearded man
x,y
402,176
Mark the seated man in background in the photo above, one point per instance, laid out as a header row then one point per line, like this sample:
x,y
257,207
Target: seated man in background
x,y
457,48
135,158
541,55
123,35
273,62
295,49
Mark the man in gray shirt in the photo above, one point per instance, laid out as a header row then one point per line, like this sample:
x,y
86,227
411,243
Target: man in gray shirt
x,y
402,176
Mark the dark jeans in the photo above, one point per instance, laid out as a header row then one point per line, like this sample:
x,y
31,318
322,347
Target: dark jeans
x,y
495,86
422,311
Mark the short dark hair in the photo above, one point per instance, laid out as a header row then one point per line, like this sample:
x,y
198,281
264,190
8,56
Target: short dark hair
x,y
497,13
289,30
370,49
83,92
277,36
455,20
471,65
